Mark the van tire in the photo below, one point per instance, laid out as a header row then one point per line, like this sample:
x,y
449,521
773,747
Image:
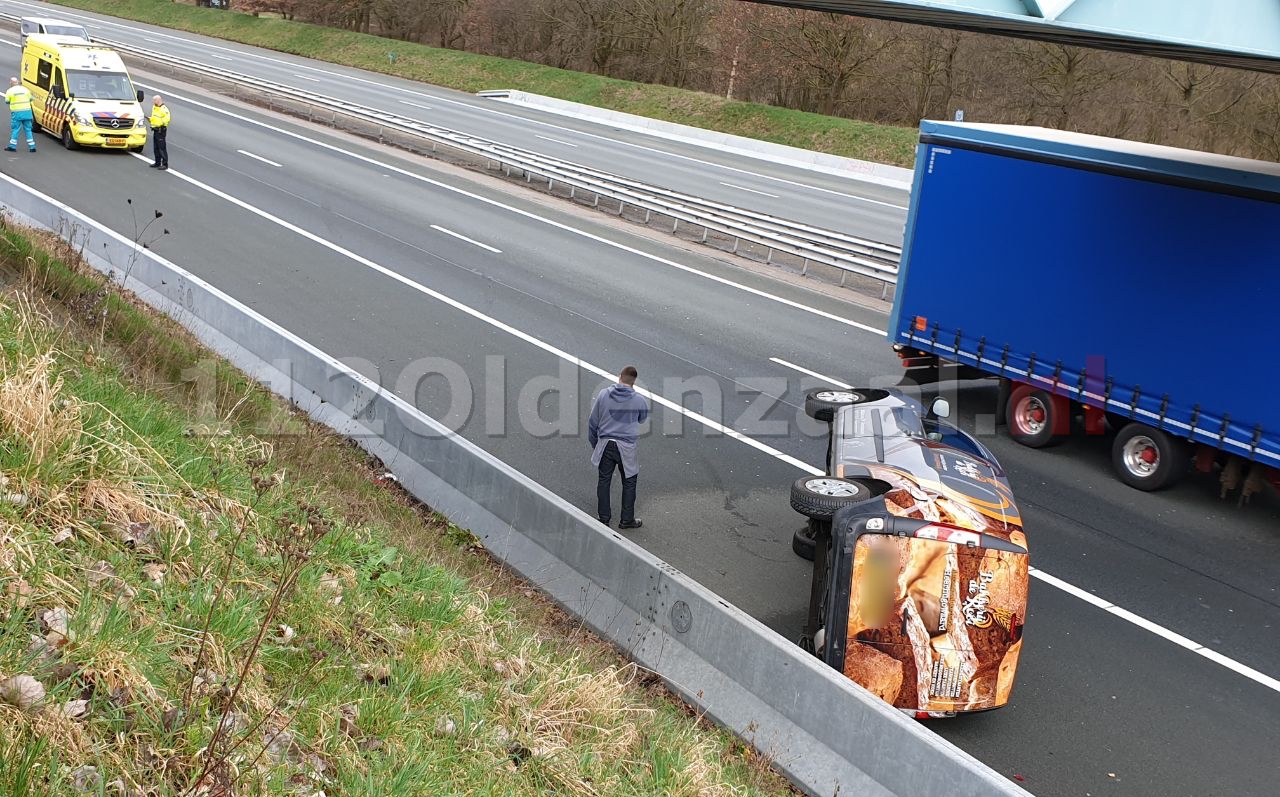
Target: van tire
x,y
68,140
822,404
820,497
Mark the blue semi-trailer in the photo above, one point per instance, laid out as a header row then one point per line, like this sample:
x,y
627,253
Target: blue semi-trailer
x,y
1106,283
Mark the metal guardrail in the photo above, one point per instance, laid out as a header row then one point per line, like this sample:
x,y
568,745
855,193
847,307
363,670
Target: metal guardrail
x,y
810,244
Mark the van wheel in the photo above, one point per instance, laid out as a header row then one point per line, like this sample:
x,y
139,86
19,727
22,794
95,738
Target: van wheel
x,y
820,497
136,149
68,140
802,541
821,404
1148,458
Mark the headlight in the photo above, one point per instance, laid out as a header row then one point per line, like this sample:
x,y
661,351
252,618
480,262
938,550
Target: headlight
x,y
82,119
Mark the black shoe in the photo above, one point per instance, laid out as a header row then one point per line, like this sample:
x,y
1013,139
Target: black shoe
x,y
10,149
155,166
164,168
603,520
635,524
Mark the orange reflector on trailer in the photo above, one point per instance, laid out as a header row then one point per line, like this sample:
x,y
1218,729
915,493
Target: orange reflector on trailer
x,y
921,323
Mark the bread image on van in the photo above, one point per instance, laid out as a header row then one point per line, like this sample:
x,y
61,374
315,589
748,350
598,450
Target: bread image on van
x,y
82,94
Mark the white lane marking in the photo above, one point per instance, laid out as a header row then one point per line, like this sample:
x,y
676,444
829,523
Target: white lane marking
x,y
153,41
220,57
535,217
750,190
307,77
814,374
462,237
555,140
1211,655
490,320
259,158
484,109
1164,633
417,105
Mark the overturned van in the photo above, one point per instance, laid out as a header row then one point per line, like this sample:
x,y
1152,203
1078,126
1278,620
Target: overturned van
x,y
921,569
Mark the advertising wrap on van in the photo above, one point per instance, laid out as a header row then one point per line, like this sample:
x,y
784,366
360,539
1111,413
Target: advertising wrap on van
x,y
935,626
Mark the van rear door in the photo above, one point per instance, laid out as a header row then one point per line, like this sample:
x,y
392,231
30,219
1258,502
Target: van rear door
x,y
927,616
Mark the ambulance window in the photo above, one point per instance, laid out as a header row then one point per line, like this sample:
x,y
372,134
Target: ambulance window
x,y
43,72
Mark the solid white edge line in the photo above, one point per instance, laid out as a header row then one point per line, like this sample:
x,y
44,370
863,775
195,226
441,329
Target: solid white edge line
x,y
555,140
490,320
483,109
1260,678
749,190
533,216
248,154
1237,667
814,374
462,237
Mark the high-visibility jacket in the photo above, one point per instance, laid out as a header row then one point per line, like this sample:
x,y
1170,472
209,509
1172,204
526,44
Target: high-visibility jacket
x,y
160,116
19,98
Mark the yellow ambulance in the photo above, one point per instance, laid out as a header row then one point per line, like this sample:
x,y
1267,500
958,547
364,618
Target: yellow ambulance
x,y
82,94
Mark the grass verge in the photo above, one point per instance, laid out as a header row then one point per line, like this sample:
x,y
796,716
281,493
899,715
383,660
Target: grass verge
x,y
201,592
470,72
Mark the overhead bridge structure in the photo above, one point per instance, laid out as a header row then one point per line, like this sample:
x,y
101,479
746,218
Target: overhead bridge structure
x,y
1236,33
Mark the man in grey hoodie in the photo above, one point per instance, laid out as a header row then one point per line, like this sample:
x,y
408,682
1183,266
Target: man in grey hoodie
x,y
612,430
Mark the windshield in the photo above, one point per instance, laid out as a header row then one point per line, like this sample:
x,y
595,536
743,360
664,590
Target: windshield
x,y
100,86
67,30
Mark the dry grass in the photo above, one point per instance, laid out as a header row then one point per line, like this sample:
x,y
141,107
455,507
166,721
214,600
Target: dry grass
x,y
395,659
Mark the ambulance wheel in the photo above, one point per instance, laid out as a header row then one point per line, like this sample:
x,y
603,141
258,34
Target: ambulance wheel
x,y
136,149
820,497
822,404
1148,458
67,140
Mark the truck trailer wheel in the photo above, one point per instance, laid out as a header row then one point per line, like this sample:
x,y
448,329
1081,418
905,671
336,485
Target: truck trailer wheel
x,y
1148,458
1035,417
821,404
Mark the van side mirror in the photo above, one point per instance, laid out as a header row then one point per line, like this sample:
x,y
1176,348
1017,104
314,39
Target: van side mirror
x,y
940,408
139,95
58,93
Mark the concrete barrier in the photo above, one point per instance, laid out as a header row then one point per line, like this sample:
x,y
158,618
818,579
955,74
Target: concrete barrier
x,y
824,733
867,171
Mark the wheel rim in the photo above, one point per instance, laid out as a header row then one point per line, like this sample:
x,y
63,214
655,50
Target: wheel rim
x,y
1031,415
837,396
832,488
1141,456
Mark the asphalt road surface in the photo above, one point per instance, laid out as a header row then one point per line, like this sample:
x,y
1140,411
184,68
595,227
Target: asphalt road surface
x,y
417,269
804,195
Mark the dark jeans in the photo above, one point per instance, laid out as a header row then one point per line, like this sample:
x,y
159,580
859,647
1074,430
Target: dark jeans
x,y
158,135
609,460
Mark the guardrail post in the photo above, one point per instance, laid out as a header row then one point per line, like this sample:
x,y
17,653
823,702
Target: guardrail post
x,y
647,214
675,224
768,260
596,204
805,268
621,206
735,246
705,232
